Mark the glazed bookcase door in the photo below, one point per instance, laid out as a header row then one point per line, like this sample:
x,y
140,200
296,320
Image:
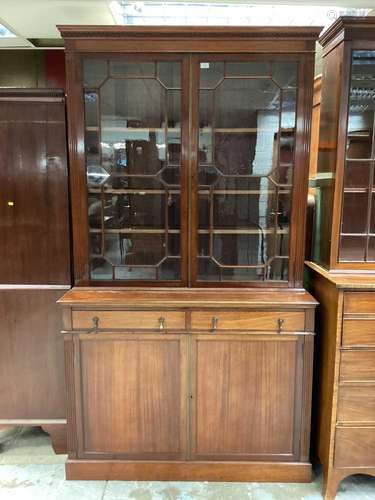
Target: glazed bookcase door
x,y
133,155
357,231
247,116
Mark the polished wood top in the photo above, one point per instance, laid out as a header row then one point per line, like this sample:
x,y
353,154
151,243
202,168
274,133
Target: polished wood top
x,y
365,280
188,297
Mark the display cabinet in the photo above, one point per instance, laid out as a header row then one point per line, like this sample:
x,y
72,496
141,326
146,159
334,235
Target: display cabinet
x,y
189,157
342,277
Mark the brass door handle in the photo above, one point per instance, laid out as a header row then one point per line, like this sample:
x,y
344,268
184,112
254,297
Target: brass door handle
x,y
280,324
214,323
95,325
161,323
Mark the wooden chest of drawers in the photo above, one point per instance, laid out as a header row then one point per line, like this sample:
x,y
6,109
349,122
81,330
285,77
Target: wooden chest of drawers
x,y
188,384
345,374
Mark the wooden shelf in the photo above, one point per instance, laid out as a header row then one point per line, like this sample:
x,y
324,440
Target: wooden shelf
x,y
243,231
132,230
242,191
133,191
204,130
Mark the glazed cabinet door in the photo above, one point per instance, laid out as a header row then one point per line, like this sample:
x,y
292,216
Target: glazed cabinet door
x,y
246,397
135,168
246,169
131,395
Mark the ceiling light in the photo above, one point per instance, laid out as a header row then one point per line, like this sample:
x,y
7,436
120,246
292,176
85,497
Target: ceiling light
x,y
210,13
5,32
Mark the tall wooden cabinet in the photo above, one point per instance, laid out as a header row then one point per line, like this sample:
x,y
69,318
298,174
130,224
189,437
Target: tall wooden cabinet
x,y
188,335
34,258
342,278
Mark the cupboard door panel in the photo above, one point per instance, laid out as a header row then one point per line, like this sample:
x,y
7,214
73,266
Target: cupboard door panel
x,y
245,393
34,212
32,384
132,396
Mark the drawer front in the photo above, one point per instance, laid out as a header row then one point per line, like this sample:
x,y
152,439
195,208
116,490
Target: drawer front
x,y
356,403
358,332
248,320
355,447
359,302
134,320
357,365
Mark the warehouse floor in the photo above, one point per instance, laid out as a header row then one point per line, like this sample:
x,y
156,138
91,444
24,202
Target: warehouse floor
x,y
30,470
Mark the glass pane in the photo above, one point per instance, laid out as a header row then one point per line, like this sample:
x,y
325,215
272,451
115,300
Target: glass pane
x,y
285,73
352,248
371,249
127,69
134,249
354,213
244,211
170,269
249,68
133,160
358,200
100,269
357,174
169,74
372,214
211,73
95,71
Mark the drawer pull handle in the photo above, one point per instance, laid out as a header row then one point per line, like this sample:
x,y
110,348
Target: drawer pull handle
x,y
95,325
161,323
280,324
215,321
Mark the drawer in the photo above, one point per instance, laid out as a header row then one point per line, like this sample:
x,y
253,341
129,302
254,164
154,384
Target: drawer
x,y
358,332
356,403
248,320
134,320
357,365
355,447
359,302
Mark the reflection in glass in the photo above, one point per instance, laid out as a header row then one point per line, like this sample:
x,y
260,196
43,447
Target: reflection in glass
x,y
357,223
352,248
354,213
247,120
133,161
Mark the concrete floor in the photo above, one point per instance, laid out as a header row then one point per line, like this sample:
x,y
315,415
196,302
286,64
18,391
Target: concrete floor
x,y
30,470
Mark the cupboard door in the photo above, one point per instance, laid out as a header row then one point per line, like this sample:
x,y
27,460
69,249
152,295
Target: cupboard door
x,y
32,385
34,210
132,396
246,397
